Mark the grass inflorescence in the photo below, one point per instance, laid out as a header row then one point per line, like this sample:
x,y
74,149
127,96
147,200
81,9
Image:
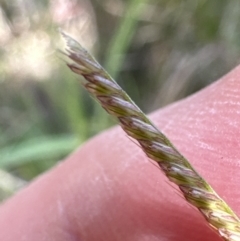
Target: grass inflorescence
x,y
154,143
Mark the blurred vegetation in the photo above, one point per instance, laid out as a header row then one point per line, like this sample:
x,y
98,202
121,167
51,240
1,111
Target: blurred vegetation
x,y
158,51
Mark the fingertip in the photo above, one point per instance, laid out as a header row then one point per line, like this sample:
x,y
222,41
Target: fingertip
x,y
108,189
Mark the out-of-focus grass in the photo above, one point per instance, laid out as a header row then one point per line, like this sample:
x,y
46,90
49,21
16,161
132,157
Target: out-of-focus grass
x,y
159,51
123,35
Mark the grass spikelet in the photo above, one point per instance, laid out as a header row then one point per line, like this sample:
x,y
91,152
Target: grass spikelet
x,y
154,143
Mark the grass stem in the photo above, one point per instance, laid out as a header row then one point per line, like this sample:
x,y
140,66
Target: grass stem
x,y
154,143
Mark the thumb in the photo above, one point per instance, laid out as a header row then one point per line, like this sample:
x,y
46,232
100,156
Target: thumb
x,y
108,190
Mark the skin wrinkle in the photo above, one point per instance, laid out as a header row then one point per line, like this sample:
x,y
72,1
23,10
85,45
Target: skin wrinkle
x,y
142,202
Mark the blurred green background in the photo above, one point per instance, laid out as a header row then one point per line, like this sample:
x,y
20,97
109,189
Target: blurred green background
x,y
159,51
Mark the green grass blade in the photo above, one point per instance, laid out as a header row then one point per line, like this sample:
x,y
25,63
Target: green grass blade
x,y
37,149
123,36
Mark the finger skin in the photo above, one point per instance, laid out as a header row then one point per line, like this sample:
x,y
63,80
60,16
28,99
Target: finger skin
x,y
109,191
